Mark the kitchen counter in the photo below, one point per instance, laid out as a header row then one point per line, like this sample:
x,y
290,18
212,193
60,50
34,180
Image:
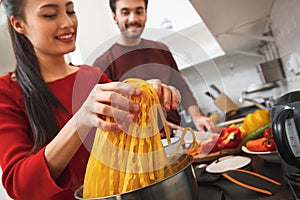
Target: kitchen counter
x,y
231,191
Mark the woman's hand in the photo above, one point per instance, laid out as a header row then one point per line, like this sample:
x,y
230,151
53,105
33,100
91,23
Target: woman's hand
x,y
109,99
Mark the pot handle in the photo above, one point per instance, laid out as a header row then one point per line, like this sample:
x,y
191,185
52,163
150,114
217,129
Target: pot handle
x,y
193,144
280,136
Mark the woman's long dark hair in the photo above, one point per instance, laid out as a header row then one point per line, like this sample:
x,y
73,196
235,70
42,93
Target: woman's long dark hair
x,y
39,100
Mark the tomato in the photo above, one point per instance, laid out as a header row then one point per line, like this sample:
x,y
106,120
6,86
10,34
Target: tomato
x,y
269,144
268,133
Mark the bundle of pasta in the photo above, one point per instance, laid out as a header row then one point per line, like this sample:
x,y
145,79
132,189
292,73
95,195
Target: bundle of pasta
x,y
122,162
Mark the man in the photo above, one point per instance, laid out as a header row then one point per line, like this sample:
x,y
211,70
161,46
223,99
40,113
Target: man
x,y
133,56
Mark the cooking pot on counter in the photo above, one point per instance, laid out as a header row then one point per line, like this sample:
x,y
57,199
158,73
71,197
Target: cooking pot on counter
x,y
286,131
181,185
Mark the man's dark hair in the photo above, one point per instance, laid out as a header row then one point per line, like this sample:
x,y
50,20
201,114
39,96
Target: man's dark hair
x,y
112,4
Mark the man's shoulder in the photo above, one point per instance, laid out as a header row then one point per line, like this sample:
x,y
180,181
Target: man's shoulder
x,y
105,57
154,44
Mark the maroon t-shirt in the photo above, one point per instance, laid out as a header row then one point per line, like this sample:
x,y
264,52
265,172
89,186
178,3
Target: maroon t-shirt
x,y
148,60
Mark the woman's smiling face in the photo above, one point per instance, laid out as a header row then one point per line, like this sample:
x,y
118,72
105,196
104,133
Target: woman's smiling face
x,y
50,25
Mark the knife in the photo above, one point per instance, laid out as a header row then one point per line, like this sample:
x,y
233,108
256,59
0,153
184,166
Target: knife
x,y
215,88
210,95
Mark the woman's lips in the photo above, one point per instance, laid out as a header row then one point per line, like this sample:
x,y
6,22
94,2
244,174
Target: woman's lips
x,y
65,37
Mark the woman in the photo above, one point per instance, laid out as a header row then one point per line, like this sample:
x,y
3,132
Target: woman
x,y
48,107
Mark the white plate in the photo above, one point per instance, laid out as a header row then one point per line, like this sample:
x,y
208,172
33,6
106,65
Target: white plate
x,y
226,163
246,150
268,156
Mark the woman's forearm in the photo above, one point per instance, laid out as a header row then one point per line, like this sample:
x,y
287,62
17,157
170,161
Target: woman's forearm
x,y
63,147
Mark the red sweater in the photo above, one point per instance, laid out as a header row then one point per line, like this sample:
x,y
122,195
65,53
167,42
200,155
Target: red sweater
x,y
148,60
25,176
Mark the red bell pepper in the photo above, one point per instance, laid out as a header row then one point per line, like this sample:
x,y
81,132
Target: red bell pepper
x,y
230,137
268,133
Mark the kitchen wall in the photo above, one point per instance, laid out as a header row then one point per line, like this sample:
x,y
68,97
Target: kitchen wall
x,y
286,27
6,52
95,24
285,18
232,75
238,72
3,195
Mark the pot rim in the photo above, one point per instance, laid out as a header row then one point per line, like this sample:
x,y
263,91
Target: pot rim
x,y
118,196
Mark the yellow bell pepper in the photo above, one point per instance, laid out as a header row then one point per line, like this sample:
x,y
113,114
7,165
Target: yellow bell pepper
x,y
255,120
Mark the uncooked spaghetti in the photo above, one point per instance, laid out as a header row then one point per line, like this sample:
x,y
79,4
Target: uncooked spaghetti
x,y
122,162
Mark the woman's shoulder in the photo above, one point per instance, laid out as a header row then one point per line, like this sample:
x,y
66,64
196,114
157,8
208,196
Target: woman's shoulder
x,y
8,81
94,72
5,76
89,68
9,86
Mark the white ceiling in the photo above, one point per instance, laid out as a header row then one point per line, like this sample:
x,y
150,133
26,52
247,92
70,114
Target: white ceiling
x,y
232,26
182,14
188,37
238,25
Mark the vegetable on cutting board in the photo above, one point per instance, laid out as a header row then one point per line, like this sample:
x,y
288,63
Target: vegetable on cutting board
x,y
230,137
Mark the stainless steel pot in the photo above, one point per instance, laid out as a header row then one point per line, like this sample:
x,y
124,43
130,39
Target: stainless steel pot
x,y
181,185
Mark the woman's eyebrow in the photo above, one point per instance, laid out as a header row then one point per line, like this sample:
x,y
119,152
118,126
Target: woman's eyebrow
x,y
69,3
55,6
49,6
